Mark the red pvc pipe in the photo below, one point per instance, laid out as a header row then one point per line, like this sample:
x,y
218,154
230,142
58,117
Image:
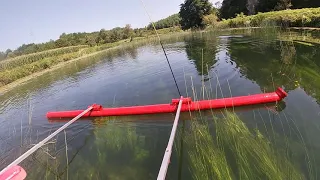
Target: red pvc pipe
x,y
188,105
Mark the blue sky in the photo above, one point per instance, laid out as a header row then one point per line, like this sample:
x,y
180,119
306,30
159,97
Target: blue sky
x,y
37,21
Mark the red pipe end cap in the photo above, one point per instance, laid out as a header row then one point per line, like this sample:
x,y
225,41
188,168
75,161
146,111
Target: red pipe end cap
x,y
96,107
281,93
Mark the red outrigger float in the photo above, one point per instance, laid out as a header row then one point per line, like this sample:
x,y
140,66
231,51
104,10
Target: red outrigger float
x,y
187,105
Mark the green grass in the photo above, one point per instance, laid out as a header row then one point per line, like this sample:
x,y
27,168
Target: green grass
x,y
32,66
30,58
206,159
22,66
307,17
234,152
8,76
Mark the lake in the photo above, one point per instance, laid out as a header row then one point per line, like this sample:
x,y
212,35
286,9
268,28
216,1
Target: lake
x,y
206,66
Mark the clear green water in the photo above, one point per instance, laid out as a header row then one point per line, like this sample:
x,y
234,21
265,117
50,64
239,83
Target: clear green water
x,y
244,62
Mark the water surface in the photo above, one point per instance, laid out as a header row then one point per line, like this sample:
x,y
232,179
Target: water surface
x,y
132,147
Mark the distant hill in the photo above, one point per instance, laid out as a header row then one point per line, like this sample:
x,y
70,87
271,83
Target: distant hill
x,y
171,21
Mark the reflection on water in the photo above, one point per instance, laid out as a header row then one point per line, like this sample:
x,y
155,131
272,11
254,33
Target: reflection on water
x,y
206,65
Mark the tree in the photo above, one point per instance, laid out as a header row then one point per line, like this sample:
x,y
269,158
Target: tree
x,y
91,41
11,55
230,8
297,4
210,19
127,31
8,51
62,43
266,5
2,55
171,21
283,4
192,13
251,6
115,34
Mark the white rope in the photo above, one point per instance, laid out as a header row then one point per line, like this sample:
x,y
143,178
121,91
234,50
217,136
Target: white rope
x,y
166,158
37,146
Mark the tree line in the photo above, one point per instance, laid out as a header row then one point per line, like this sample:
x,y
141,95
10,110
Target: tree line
x,y
92,39
73,39
199,13
171,21
195,14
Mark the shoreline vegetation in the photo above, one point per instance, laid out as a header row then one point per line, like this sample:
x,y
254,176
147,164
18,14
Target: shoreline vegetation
x,y
28,61
307,18
21,74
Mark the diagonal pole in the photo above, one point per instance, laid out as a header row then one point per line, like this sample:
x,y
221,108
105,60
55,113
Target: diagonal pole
x,y
166,158
41,143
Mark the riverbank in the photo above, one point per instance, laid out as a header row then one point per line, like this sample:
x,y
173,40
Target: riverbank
x,y
21,81
87,52
84,53
307,17
247,28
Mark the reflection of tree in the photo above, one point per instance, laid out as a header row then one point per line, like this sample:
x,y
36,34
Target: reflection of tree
x,y
132,52
194,48
285,64
288,52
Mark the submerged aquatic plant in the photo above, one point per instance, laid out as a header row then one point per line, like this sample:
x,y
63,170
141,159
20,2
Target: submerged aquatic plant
x,y
288,52
207,160
235,152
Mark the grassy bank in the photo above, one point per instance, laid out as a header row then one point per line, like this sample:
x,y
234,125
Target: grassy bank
x,y
29,58
17,75
307,17
17,68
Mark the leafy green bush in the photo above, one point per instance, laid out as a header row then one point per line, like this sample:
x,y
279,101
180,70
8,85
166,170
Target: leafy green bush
x,y
307,17
210,20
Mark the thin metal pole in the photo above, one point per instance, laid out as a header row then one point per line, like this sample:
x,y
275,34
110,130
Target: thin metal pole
x,y
164,51
41,143
166,158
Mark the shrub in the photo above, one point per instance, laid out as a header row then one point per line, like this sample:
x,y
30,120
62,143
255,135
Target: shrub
x,y
210,20
307,17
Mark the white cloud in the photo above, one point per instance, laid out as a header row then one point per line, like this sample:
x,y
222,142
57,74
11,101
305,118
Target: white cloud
x,y
215,1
